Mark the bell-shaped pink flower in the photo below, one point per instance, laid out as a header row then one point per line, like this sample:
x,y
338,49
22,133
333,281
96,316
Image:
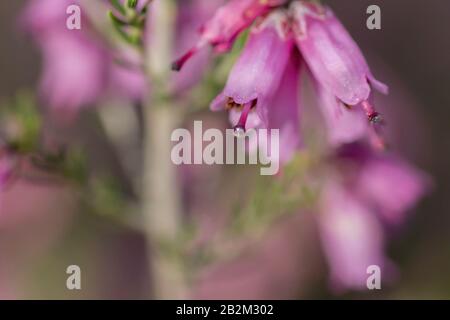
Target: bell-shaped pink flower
x,y
256,75
284,111
352,237
283,114
226,24
333,57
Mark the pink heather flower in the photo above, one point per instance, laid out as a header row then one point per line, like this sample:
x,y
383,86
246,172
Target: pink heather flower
x,y
256,76
364,191
7,164
343,78
352,237
40,16
392,186
226,24
284,111
140,4
74,70
344,125
334,58
126,77
77,69
338,65
283,114
191,16
262,90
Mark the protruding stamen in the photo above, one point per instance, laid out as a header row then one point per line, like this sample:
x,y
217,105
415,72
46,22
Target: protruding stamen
x,y
178,64
240,127
376,120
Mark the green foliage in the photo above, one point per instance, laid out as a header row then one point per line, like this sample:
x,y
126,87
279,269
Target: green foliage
x,y
130,26
22,121
273,199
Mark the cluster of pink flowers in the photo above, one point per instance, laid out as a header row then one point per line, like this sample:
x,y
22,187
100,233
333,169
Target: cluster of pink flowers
x,y
263,91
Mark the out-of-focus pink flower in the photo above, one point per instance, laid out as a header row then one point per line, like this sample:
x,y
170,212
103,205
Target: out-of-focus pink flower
x,y
283,114
352,237
191,16
226,24
262,90
77,68
126,77
363,192
74,66
74,70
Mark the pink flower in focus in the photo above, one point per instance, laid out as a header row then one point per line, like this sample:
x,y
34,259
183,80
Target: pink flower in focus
x,y
342,76
284,111
256,76
333,57
340,69
262,90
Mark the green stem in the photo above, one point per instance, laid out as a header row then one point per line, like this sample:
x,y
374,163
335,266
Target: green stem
x,y
161,195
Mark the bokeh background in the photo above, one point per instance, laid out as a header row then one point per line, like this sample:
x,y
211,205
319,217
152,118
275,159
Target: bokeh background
x,y
47,229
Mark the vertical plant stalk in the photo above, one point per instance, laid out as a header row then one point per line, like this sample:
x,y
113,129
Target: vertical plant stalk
x,y
161,200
